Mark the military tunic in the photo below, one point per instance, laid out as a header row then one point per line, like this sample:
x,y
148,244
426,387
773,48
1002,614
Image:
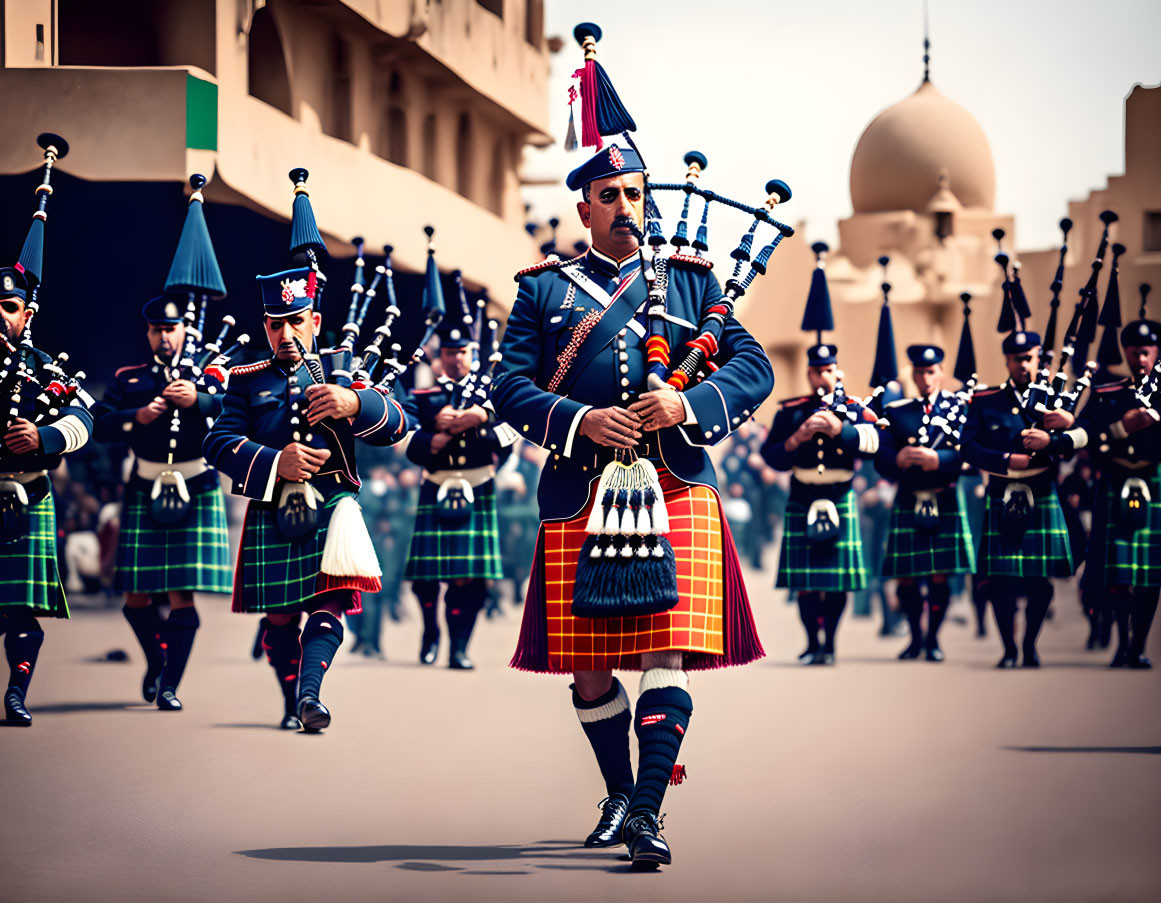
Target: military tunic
x,y
191,555
29,576
822,469
576,341
946,546
274,572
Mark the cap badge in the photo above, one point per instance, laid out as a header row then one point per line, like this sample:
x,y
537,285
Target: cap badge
x,y
8,283
616,159
171,311
929,354
823,351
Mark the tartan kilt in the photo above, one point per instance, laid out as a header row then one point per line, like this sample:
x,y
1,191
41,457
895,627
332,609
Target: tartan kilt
x,y
712,623
278,574
822,567
193,555
470,550
915,552
1132,559
1043,550
29,577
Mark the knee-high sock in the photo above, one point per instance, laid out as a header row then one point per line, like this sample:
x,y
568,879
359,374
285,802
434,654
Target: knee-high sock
x,y
663,712
178,632
22,639
911,602
1039,598
605,721
462,605
283,652
808,613
980,604
1122,606
1144,609
321,637
427,591
938,598
832,612
1004,608
147,628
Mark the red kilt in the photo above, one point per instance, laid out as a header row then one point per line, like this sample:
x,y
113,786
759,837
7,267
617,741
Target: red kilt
x,y
712,623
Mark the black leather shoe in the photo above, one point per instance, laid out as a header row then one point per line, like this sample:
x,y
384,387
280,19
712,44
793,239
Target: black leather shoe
x,y
1009,659
807,656
607,833
313,714
1031,659
459,661
933,654
14,710
1138,662
151,684
1120,658
913,650
428,649
822,657
647,848
290,723
168,702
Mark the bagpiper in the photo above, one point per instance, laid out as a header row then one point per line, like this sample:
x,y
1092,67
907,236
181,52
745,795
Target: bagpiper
x,y
45,417
173,539
458,443
286,439
818,438
1124,556
929,536
634,566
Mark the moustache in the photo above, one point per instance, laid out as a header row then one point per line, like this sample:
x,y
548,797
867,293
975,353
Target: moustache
x,y
625,222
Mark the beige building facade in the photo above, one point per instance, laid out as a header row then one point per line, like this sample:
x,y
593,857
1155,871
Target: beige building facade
x,y
406,112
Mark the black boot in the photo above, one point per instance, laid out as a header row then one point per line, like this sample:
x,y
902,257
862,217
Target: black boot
x,y
427,591
938,598
147,628
283,652
14,711
911,604
22,641
1004,609
321,637
809,612
647,848
178,632
463,604
1039,599
607,833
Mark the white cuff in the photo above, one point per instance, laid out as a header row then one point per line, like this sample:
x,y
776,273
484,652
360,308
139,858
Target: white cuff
x,y
1079,437
868,438
572,429
619,704
689,420
1118,431
73,431
268,493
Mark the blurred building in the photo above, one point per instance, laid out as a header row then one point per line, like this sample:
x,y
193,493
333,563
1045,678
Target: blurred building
x,y
406,112
922,185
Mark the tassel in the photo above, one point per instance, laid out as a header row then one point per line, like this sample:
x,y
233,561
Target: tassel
x,y
678,776
629,512
643,518
600,509
612,117
590,137
349,551
570,142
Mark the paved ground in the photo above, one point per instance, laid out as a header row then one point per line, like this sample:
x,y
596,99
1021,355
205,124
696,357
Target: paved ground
x,y
874,780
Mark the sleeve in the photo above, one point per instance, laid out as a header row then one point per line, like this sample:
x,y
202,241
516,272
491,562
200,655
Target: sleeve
x,y
773,450
861,438
209,404
551,421
68,432
973,450
888,451
733,392
950,461
112,418
251,466
381,419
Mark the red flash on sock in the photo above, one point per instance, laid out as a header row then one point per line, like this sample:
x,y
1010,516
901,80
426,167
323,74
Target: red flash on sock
x,y
24,668
679,775
324,665
652,719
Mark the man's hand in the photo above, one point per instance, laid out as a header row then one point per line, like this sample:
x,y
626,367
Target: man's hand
x,y
914,456
1137,419
151,411
439,440
1035,440
612,427
1017,461
22,437
180,392
1058,420
445,419
468,419
329,400
659,409
822,422
297,461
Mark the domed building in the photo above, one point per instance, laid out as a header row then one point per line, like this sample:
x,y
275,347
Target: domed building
x,y
923,186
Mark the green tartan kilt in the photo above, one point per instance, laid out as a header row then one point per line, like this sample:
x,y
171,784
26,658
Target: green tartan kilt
x,y
915,552
277,574
28,567
1133,558
1042,551
822,567
193,555
465,551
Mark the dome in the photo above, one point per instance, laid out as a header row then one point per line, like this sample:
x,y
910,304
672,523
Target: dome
x,y
901,153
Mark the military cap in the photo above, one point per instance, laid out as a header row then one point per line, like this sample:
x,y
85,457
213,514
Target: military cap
x,y
288,292
604,164
821,355
924,355
13,284
454,335
1140,332
1018,342
161,311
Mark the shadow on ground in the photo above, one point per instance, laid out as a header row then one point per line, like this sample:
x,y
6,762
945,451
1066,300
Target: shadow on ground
x,y
1138,750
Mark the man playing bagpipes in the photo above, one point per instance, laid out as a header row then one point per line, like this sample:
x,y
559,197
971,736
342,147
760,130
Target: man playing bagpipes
x,y
929,535
286,439
634,567
1124,553
458,443
173,540
45,416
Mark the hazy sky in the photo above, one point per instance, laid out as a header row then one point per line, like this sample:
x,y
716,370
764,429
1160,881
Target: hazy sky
x,y
783,90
